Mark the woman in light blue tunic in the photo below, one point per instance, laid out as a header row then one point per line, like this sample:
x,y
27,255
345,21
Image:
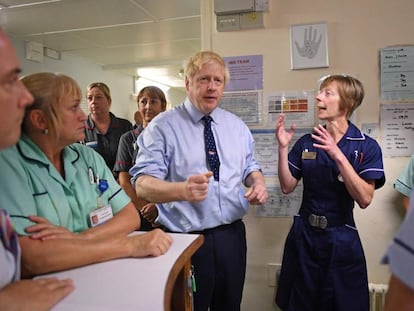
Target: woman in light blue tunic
x,y
62,199
18,294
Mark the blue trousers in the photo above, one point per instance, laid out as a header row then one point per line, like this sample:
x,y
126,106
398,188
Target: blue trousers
x,y
220,268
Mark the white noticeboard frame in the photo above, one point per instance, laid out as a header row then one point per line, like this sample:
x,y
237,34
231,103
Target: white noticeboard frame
x,y
309,46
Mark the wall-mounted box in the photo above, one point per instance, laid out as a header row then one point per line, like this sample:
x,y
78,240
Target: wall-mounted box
x,y
34,51
225,7
240,21
51,53
251,20
228,22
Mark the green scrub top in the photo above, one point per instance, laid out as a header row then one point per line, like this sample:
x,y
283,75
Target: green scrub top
x,y
31,185
404,183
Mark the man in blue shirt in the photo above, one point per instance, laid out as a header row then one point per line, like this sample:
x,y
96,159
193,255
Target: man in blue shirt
x,y
172,170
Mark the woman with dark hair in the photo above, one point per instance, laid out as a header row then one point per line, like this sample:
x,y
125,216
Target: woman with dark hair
x,y
151,101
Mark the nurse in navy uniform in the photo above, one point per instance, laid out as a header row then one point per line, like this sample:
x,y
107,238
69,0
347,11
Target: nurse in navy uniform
x,y
324,266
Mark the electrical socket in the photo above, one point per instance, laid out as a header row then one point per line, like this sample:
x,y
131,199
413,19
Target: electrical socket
x,y
272,270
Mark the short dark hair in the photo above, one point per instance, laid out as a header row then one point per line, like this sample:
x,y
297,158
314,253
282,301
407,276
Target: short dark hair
x,y
153,92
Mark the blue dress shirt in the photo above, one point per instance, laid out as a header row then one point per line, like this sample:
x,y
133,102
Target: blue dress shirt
x,y
172,148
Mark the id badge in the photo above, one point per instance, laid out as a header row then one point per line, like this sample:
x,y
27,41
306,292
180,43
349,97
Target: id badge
x,y
100,215
308,155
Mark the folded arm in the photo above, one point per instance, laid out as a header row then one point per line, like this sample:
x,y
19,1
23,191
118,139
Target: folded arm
x,y
43,256
124,222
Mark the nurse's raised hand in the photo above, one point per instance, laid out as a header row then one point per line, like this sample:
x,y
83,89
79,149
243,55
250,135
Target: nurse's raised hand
x,y
283,137
325,141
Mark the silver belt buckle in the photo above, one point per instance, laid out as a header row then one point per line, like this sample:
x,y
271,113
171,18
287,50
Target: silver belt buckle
x,y
318,221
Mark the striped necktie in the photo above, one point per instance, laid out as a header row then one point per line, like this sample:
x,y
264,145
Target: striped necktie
x,y
210,145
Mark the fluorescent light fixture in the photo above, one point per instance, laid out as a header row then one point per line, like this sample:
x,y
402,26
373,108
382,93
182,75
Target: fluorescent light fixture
x,y
168,75
143,82
30,4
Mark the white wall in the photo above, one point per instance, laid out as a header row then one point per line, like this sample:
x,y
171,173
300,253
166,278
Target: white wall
x,y
356,32
84,72
175,96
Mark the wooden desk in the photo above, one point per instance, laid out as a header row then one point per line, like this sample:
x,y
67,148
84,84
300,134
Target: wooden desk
x,y
152,284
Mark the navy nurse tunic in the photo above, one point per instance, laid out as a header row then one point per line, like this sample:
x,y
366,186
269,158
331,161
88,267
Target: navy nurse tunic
x,y
325,269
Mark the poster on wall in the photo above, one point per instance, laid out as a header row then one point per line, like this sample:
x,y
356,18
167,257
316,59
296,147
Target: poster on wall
x,y
266,148
246,73
279,204
297,106
309,46
397,73
266,154
397,129
243,104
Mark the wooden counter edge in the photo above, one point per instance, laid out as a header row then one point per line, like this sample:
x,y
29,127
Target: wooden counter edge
x,y
182,264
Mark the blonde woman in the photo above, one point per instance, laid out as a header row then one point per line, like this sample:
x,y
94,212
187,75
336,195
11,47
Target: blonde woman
x,y
103,129
18,294
63,200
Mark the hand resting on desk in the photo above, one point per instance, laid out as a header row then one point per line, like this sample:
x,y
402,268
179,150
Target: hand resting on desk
x,y
41,256
153,243
39,295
